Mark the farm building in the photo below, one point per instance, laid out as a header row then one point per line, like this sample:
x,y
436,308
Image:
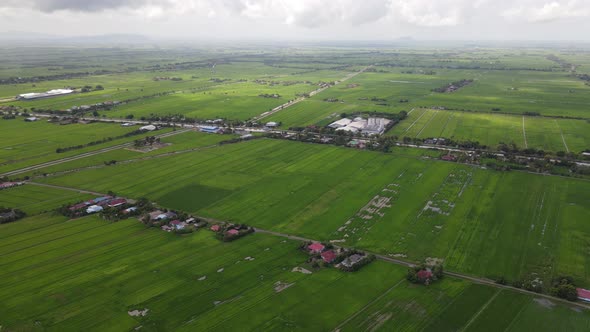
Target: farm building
x,y
352,260
129,210
340,123
211,129
126,124
271,124
31,119
148,128
371,126
47,94
316,247
94,209
583,294
329,256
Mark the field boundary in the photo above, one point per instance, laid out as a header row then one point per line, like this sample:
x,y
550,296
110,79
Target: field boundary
x,y
484,307
358,312
524,134
562,138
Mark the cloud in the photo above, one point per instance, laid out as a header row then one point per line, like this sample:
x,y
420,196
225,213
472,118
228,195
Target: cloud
x,y
548,11
49,6
321,13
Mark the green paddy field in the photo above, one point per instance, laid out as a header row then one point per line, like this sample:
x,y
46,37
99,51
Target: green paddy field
x,y
91,274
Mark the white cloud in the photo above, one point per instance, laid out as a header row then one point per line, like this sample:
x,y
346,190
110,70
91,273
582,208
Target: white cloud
x,y
305,18
548,11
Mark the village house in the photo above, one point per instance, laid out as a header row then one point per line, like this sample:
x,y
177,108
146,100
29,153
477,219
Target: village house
x,y
117,202
583,294
215,228
6,185
177,224
316,247
328,256
233,231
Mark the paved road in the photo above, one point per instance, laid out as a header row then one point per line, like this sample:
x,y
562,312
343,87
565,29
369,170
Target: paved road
x,y
83,155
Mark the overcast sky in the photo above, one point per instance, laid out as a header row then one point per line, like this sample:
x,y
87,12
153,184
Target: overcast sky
x,y
305,19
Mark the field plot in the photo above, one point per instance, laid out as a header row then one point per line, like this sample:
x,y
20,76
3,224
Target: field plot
x,y
546,93
515,225
367,92
234,101
458,213
491,129
35,199
30,143
180,143
88,274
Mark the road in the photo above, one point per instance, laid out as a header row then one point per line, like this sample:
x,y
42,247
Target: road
x,y
82,155
311,94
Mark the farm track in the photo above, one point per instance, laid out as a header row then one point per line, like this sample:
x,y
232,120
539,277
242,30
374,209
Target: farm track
x,y
473,279
413,123
83,155
562,138
311,94
524,134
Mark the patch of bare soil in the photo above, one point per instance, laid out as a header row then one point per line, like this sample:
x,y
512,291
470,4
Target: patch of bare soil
x,y
432,261
545,303
301,270
136,312
146,149
281,286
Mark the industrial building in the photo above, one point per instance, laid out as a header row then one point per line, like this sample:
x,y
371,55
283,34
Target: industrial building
x,y
371,126
47,94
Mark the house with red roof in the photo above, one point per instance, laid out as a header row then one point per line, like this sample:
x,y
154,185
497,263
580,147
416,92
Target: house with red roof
x,y
316,247
424,275
233,231
583,294
329,256
117,202
215,228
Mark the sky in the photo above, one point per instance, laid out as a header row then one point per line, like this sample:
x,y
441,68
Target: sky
x,y
556,20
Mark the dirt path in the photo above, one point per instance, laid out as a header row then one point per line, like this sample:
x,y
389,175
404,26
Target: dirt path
x,y
413,123
562,138
524,134
311,94
66,188
474,317
351,317
427,123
